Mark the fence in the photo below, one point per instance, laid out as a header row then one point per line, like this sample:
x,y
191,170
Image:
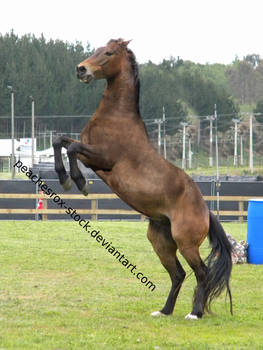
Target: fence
x,y
240,144
94,211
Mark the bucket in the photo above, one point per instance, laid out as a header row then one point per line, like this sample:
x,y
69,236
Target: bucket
x,y
255,231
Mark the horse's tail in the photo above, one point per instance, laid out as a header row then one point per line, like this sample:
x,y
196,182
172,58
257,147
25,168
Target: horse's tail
x,y
219,262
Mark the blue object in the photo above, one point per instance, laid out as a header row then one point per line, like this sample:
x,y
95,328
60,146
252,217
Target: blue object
x,y
255,231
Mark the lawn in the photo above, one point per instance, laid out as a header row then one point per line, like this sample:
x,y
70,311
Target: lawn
x,y
205,171
60,289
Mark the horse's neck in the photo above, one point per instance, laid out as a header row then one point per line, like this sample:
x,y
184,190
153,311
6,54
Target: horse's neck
x,y
120,100
120,96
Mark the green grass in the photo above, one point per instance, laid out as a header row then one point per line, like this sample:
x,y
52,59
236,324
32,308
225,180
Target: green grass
x,y
59,289
8,176
226,170
205,170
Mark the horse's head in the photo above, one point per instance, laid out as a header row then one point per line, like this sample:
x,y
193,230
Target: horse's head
x,y
105,63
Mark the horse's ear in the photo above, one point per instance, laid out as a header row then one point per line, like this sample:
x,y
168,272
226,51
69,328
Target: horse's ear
x,y
126,43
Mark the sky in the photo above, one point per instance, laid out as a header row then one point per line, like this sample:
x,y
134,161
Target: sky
x,y
203,31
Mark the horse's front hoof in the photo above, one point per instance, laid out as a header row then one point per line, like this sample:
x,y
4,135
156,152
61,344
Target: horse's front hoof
x,y
191,317
67,184
85,189
157,314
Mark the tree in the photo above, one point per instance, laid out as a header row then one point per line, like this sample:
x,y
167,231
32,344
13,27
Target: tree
x,y
246,79
259,111
45,69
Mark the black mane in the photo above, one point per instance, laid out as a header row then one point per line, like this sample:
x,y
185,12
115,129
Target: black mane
x,y
135,70
134,66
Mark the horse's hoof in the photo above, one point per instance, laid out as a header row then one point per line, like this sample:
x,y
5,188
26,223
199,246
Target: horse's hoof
x,y
85,189
191,317
67,184
157,314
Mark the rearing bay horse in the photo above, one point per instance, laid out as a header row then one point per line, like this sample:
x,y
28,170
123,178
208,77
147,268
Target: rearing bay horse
x,y
115,144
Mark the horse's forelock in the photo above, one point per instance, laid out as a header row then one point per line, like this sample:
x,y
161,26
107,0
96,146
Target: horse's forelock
x,y
119,42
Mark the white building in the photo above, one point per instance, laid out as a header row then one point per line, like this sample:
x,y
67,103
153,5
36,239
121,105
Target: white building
x,y
23,152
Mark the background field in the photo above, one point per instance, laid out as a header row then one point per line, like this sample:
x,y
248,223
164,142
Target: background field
x,y
206,171
59,289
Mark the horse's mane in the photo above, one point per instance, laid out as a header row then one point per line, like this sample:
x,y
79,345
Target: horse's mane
x,y
134,66
135,69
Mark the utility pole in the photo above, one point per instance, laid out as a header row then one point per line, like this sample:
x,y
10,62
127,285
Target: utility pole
x,y
218,184
33,128
50,138
189,152
251,163
12,91
199,132
236,121
164,135
241,151
159,122
184,134
210,118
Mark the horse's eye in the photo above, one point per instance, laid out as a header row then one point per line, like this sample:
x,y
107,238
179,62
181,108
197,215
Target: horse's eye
x,y
108,53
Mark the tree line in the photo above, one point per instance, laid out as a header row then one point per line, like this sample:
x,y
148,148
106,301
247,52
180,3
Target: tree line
x,y
45,69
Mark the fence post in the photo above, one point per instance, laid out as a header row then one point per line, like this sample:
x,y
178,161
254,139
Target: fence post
x,y
44,207
143,217
94,206
241,208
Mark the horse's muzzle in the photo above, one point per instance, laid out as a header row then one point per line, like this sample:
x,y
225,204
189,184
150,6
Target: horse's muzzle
x,y
83,74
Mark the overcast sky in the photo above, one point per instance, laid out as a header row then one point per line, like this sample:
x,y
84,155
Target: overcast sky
x,y
198,30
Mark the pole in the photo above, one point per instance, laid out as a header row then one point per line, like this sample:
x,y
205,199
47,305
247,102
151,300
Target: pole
x,y
164,135
183,157
159,121
199,132
50,138
183,152
211,140
189,153
241,151
159,135
217,168
251,165
44,135
236,121
33,129
12,130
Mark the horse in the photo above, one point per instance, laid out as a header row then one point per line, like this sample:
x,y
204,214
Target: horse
x,y
115,145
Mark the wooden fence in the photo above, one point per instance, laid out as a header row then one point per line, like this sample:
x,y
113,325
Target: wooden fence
x,y
94,211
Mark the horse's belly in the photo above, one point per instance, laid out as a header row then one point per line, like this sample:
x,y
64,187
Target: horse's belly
x,y
148,200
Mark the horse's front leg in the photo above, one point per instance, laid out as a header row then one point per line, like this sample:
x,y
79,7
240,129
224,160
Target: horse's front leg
x,y
94,156
60,142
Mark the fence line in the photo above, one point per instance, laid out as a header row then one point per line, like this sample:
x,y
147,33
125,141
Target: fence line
x,y
94,211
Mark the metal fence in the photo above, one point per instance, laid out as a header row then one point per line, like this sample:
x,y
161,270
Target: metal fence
x,y
189,144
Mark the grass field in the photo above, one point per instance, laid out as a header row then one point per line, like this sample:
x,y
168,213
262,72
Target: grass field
x,y
205,170
60,289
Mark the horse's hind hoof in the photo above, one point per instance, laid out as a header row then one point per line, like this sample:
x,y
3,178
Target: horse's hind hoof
x,y
85,189
191,317
157,314
67,184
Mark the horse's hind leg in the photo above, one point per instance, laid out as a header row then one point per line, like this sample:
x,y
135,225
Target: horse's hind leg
x,y
64,179
165,247
193,258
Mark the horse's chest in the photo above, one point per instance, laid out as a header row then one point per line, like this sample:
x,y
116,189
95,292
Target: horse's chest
x,y
95,133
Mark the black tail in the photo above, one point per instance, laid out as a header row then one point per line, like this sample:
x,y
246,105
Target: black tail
x,y
219,262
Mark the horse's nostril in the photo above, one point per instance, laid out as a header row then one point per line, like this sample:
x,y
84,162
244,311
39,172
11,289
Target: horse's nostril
x,y
81,69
